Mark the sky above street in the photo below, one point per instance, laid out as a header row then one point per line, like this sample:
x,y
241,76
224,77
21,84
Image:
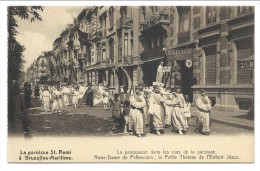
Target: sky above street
x,y
39,35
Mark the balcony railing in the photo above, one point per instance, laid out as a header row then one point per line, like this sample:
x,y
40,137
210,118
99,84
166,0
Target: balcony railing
x,y
155,19
184,37
93,35
123,22
152,54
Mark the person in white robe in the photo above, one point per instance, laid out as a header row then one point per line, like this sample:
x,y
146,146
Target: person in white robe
x,y
155,109
137,103
75,96
204,107
57,102
46,99
65,91
178,120
168,108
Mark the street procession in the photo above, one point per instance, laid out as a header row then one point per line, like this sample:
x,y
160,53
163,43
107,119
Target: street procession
x,y
138,110
133,71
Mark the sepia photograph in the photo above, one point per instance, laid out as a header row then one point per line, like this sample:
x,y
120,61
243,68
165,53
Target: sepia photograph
x,y
131,83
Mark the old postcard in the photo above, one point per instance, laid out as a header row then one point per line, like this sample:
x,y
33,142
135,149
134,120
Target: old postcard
x,y
131,84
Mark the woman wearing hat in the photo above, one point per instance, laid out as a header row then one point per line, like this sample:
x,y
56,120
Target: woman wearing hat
x,y
204,106
155,109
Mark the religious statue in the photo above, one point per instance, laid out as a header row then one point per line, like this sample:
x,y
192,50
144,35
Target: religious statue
x,y
160,73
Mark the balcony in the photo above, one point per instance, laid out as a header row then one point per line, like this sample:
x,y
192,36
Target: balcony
x,y
184,37
123,23
93,35
155,19
153,54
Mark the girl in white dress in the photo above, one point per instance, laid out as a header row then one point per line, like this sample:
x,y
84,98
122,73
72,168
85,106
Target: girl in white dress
x,y
75,96
186,110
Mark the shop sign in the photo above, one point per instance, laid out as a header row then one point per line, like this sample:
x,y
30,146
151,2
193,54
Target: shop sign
x,y
245,65
188,63
179,54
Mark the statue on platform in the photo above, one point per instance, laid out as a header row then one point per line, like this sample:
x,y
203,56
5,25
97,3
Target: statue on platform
x,y
160,73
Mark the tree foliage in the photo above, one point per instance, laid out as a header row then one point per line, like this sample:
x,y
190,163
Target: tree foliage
x,y
15,49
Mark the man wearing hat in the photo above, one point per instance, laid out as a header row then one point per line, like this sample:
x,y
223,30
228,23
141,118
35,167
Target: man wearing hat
x,y
89,95
203,120
155,109
137,103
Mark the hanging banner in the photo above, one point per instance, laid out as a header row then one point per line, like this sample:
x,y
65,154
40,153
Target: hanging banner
x,y
179,54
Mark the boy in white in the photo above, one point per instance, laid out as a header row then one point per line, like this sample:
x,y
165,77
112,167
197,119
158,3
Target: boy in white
x,y
65,91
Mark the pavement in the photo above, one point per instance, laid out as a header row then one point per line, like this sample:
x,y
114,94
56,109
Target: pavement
x,y
95,121
237,119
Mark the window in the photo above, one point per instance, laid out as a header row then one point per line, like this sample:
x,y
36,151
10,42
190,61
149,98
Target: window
x,y
196,9
211,15
103,52
184,21
210,70
244,9
111,17
126,45
244,50
111,49
98,52
224,13
142,13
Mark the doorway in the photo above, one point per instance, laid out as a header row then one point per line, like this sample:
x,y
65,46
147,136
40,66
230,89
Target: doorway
x,y
186,81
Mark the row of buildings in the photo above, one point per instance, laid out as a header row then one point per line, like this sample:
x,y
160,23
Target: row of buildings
x,y
209,47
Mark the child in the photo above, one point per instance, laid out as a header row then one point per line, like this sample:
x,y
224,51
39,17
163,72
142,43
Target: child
x,y
46,99
186,110
75,96
115,107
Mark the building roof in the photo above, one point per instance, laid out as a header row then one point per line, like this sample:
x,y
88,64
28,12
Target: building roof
x,y
82,14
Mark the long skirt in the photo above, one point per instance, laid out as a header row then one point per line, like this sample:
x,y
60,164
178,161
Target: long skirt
x,y
203,121
156,112
60,103
46,105
66,100
136,122
146,119
168,115
178,120
75,99
55,105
